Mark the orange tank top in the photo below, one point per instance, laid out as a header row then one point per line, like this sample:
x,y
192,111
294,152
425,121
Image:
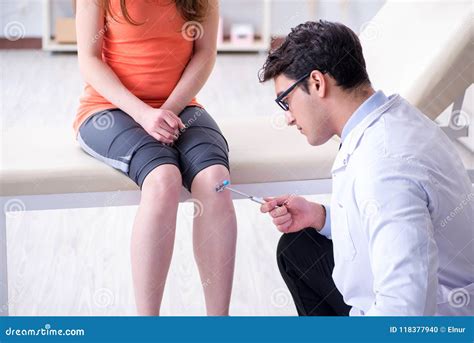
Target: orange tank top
x,y
148,59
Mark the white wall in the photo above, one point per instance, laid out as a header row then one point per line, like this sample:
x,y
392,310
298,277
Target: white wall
x,y
285,13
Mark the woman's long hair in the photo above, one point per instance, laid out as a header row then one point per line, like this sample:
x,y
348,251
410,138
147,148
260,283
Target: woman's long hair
x,y
191,10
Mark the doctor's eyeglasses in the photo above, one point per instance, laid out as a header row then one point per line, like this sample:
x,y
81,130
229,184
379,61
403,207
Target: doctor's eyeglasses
x,y
281,99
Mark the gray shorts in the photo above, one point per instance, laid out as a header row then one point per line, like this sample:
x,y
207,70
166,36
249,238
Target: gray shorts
x,y
115,138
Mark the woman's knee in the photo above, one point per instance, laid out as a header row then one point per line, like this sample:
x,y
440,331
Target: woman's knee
x,y
163,181
206,180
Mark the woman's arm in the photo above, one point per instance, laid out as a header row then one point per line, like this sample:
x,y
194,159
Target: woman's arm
x,y
201,64
159,123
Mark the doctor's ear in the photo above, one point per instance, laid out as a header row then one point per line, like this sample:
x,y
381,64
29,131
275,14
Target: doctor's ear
x,y
318,82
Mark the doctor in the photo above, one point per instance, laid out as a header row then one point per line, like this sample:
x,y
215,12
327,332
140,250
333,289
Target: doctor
x,y
398,236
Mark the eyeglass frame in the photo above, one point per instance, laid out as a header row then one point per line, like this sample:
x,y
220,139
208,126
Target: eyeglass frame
x,y
279,100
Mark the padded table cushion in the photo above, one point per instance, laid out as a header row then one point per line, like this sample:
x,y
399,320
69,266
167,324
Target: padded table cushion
x,y
50,161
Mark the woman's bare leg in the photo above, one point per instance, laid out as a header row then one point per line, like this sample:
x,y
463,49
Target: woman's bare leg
x,y
214,238
153,237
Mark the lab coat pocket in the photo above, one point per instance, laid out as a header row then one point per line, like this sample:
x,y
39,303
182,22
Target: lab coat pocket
x,y
342,234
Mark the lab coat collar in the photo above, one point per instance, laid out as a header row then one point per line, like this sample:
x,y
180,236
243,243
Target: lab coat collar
x,y
355,135
368,106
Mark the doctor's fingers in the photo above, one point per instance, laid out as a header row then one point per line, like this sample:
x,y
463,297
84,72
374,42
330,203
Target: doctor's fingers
x,y
268,206
279,211
280,200
285,226
282,219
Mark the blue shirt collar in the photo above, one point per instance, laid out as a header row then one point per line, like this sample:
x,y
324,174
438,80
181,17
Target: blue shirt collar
x,y
368,106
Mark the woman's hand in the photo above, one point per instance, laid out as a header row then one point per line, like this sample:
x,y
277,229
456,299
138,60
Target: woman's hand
x,y
161,124
294,213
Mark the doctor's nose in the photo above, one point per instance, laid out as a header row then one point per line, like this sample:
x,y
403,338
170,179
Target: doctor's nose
x,y
290,120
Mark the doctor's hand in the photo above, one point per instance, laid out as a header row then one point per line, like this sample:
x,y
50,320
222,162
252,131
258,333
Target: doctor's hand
x,y
294,213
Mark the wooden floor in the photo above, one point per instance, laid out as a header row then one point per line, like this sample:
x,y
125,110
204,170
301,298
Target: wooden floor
x,y
77,262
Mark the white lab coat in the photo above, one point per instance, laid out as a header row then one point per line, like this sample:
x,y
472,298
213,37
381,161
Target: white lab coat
x,y
396,180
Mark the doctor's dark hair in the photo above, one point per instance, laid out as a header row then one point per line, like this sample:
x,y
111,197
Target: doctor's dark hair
x,y
329,47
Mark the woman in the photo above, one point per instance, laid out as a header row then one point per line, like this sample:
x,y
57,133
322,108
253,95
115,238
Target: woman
x,y
143,63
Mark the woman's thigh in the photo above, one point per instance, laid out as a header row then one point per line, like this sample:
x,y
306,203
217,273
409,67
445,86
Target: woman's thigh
x,y
200,145
115,138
